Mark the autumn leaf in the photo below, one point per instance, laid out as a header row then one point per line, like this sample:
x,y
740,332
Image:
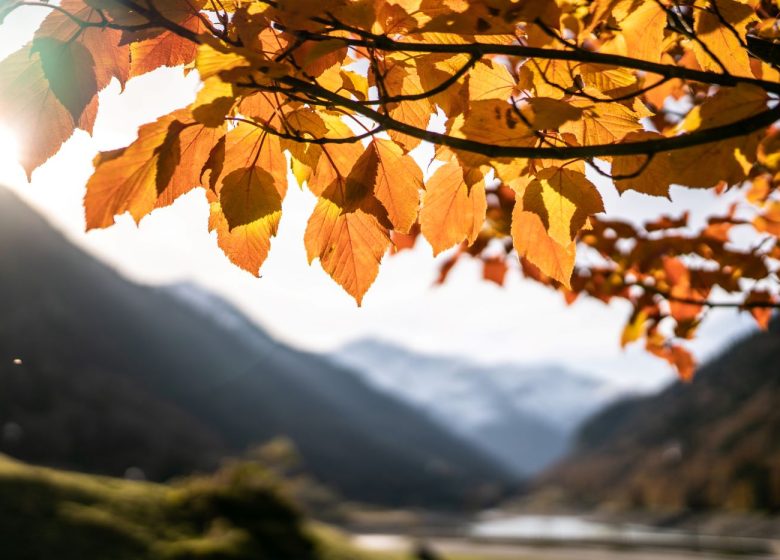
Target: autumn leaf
x,y
249,195
719,46
498,122
602,123
397,81
110,58
727,160
213,102
70,71
451,211
128,181
196,144
563,199
680,358
399,181
635,328
643,32
246,246
165,50
505,104
648,174
491,80
495,270
157,47
248,146
762,315
532,242
348,231
681,292
28,105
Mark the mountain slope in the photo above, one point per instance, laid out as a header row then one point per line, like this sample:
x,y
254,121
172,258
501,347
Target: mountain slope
x,y
713,443
522,416
240,512
116,375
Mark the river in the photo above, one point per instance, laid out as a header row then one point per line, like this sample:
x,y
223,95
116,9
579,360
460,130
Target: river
x,y
537,537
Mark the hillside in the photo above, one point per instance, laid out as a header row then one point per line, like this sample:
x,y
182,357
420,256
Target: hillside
x,y
115,376
711,444
523,416
240,513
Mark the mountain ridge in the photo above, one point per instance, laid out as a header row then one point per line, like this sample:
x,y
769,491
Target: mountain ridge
x,y
709,444
521,415
115,375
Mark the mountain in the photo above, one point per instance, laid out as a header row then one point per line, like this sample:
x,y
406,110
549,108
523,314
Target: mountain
x,y
522,416
103,375
710,444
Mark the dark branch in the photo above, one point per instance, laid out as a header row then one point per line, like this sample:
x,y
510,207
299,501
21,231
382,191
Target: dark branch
x,y
697,138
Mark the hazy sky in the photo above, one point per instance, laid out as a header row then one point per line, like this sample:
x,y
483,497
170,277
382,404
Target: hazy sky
x,y
522,322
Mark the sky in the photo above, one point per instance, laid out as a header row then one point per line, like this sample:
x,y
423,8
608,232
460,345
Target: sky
x,y
522,322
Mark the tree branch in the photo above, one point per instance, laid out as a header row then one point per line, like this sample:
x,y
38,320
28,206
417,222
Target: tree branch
x,y
697,138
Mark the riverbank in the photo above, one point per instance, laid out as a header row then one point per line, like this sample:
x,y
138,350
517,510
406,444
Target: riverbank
x,y
469,549
503,535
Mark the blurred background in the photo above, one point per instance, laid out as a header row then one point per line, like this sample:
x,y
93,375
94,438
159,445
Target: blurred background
x,y
157,402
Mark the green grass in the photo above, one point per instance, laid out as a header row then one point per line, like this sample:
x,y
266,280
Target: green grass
x,y
238,513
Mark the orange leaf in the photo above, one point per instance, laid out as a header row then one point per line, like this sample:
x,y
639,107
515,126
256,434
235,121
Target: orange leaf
x,y
762,315
532,241
127,180
196,143
398,184
563,199
451,211
494,269
27,104
348,230
111,59
165,49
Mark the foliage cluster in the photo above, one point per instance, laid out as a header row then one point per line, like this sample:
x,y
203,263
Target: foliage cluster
x,y
518,97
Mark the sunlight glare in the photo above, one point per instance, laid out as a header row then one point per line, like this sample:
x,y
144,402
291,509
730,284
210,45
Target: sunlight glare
x,y
10,169
9,147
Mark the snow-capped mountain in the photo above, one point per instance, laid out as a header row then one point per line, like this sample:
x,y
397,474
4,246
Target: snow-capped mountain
x,y
522,415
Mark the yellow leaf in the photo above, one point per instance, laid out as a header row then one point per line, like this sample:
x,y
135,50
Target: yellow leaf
x,y
603,123
398,184
213,102
246,246
403,80
654,178
498,122
643,31
544,113
336,160
532,242
249,195
635,328
212,60
727,160
563,199
552,78
248,146
490,80
769,151
451,212
720,40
